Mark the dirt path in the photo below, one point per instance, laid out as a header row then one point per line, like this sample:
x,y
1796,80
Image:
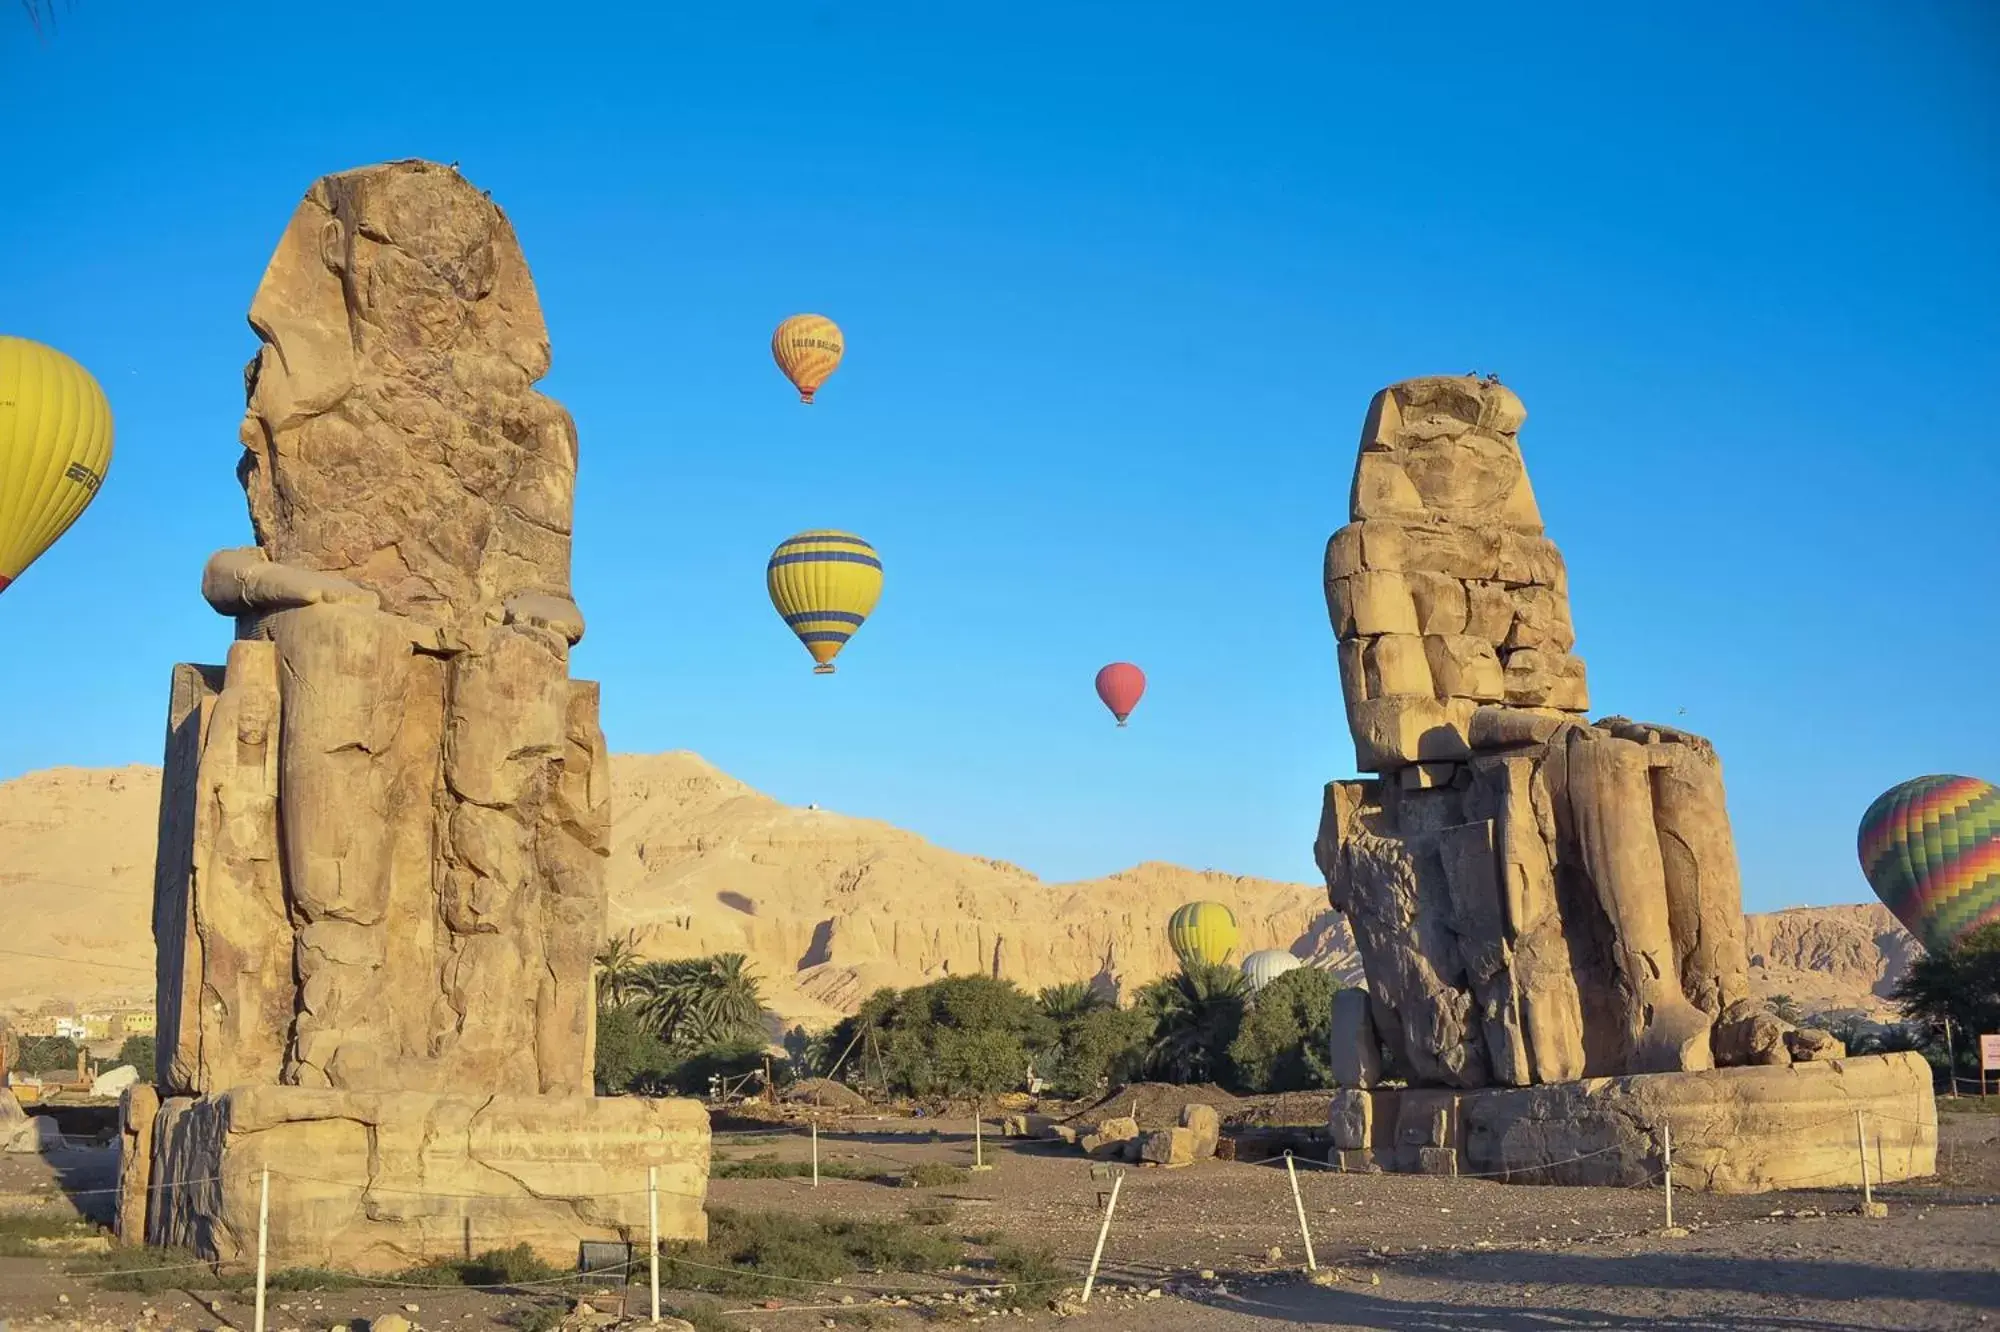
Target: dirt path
x,y
1220,1244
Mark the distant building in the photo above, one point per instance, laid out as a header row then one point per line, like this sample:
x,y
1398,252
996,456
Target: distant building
x,y
137,1023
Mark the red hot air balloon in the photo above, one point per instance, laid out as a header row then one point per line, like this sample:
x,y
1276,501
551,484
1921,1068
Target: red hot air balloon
x,y
1121,685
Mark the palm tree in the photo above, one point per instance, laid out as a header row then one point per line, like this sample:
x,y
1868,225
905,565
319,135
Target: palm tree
x,y
1067,1002
694,1003
1196,1014
617,966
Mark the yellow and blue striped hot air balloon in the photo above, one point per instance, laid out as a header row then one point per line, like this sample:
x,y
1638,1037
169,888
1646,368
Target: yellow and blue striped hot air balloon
x,y
1202,932
1931,850
55,447
824,583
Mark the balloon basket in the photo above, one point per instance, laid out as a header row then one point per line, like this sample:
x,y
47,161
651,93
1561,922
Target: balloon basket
x,y
1121,721
824,668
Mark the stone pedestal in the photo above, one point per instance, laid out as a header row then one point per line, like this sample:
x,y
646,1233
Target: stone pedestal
x,y
1735,1130
382,1181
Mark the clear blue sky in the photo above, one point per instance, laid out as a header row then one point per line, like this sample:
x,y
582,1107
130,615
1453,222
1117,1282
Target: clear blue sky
x,y
1118,281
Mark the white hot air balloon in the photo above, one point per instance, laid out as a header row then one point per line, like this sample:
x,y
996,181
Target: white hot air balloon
x,y
1266,965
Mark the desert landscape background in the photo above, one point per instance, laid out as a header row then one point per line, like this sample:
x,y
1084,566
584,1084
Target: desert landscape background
x,y
827,906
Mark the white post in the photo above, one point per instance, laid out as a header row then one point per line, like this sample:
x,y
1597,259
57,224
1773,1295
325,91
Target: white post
x,y
653,1233
263,1240
978,1141
1097,1254
815,1129
1668,1130
1861,1149
1312,1264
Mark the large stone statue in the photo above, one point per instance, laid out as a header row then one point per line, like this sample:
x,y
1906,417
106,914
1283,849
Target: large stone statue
x,y
1537,899
384,822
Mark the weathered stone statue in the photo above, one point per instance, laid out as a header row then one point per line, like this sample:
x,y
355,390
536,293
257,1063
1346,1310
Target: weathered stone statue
x,y
384,822
1537,899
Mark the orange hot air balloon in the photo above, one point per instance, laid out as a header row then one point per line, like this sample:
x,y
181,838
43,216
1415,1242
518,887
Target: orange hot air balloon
x,y
1119,687
808,348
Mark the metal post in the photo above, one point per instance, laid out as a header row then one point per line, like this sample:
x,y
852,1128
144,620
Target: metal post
x,y
1312,1264
815,1129
1668,1130
653,1233
263,1240
1097,1254
1861,1150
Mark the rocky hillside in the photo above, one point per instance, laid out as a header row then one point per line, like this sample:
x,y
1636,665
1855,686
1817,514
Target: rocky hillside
x,y
828,906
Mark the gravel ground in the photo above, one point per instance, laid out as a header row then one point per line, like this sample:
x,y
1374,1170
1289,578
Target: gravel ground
x,y
1220,1242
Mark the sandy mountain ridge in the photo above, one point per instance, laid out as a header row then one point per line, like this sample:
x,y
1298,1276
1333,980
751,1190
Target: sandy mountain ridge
x,y
827,906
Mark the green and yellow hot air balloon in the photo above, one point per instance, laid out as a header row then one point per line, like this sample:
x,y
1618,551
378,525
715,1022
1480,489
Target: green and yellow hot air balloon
x,y
55,447
1931,850
1202,932
824,583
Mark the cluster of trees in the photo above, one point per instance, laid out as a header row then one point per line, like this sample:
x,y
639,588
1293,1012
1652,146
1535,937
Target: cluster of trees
x,y
1961,987
57,1054
978,1036
669,1026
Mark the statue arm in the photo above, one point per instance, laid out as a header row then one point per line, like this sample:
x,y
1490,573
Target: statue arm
x,y
242,581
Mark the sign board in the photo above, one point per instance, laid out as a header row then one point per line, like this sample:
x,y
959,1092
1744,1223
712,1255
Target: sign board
x,y
1989,1053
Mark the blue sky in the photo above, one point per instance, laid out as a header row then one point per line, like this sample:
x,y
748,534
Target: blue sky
x,y
1118,282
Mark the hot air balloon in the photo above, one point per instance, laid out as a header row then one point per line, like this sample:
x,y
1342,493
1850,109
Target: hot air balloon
x,y
1202,932
1266,965
824,584
1931,850
1121,685
55,447
808,348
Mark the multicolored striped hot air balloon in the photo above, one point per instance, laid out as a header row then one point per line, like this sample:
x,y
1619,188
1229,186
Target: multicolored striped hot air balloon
x,y
824,583
808,348
55,447
1202,932
1931,850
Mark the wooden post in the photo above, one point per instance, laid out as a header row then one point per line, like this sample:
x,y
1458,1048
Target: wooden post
x,y
1951,1064
1668,1130
653,1233
263,1240
815,1131
1097,1254
1312,1264
978,1140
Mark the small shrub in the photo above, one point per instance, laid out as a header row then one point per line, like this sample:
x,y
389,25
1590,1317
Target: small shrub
x,y
536,1317
931,1213
935,1174
766,1165
18,1232
495,1267
1033,1272
706,1315
769,1253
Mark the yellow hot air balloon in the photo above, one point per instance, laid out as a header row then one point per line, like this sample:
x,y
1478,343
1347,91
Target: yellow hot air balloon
x,y
55,447
1202,932
824,583
808,348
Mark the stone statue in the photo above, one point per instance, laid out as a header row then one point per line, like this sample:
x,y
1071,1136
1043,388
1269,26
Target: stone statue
x,y
384,822
1536,898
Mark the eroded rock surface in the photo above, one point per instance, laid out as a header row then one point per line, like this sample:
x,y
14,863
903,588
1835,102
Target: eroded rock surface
x,y
384,820
1536,898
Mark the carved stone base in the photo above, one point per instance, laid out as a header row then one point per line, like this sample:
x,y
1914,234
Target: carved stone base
x,y
381,1181
1735,1130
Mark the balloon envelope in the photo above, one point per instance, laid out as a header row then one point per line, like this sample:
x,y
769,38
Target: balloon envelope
x,y
808,348
824,584
55,447
1120,686
1202,932
1931,850
1266,965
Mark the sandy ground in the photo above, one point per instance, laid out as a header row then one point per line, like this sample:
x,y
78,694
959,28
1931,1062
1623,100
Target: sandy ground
x,y
1404,1252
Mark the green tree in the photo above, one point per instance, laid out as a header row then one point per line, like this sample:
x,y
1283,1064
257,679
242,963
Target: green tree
x,y
1282,1043
1961,986
629,1052
1097,1050
1069,1001
46,1054
1785,1009
695,1003
617,965
140,1052
1195,1015
960,1036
